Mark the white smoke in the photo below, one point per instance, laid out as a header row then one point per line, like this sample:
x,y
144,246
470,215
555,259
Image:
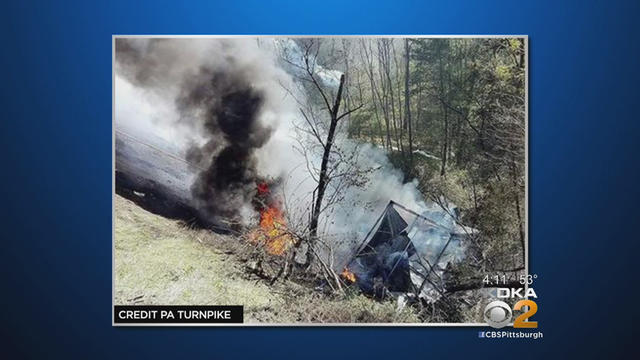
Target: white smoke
x,y
145,104
146,91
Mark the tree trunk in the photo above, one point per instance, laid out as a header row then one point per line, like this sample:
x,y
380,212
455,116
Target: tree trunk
x,y
347,95
323,178
514,177
407,104
445,144
384,98
368,57
386,67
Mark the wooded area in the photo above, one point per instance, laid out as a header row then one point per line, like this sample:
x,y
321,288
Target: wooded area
x,y
451,114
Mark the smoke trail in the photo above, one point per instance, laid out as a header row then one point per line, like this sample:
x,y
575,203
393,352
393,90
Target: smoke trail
x,y
229,108
222,90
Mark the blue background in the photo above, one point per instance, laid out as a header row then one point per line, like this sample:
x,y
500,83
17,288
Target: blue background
x,y
56,174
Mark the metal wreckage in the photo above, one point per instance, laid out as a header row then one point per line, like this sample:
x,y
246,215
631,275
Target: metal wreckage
x,y
406,253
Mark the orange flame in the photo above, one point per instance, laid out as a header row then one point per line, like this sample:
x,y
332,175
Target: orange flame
x,y
272,232
348,275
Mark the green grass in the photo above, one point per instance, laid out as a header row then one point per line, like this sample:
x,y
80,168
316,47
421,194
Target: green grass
x,y
158,261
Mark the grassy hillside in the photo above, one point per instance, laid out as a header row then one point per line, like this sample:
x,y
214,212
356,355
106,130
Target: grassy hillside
x,y
160,261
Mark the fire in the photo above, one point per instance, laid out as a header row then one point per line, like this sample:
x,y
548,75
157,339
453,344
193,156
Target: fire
x,y
263,188
272,232
348,275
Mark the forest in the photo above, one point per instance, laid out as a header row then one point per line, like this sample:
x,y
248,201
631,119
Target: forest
x,y
450,113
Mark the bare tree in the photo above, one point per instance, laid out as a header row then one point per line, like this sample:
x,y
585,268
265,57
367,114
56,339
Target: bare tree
x,y
407,103
339,167
323,179
367,55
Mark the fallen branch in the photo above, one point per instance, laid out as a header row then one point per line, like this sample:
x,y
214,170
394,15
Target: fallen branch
x,y
328,271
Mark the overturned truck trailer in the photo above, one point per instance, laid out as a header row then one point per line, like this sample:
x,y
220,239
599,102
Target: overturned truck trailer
x,y
406,252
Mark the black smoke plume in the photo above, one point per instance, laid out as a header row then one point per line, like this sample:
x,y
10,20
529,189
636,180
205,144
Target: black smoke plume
x,y
217,99
229,108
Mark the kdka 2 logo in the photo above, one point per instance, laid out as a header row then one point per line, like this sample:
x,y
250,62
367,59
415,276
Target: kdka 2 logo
x,y
498,314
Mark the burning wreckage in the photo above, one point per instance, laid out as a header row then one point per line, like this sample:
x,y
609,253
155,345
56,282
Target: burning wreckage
x,y
405,252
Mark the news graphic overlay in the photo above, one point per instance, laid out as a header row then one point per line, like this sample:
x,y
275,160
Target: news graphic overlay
x,y
497,314
516,307
153,314
319,180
